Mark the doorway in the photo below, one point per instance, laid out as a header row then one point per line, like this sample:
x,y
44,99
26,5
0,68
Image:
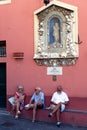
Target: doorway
x,y
2,85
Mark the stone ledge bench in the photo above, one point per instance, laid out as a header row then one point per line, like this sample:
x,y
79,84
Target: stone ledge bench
x,y
69,116
74,114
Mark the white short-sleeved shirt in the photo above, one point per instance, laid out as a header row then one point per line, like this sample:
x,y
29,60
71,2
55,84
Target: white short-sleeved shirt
x,y
59,97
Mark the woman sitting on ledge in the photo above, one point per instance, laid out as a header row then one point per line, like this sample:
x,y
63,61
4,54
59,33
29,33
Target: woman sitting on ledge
x,y
19,100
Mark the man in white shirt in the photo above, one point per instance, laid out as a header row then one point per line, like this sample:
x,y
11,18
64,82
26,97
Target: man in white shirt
x,y
58,101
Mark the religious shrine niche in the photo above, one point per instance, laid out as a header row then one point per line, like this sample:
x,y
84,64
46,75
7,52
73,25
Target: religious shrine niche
x,y
56,34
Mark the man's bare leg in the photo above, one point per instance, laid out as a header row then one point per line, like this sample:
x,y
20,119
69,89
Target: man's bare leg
x,y
57,108
58,115
34,112
58,118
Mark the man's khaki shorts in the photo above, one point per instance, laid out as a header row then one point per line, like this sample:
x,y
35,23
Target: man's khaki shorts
x,y
52,106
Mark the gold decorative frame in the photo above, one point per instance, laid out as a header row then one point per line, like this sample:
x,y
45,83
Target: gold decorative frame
x,y
56,46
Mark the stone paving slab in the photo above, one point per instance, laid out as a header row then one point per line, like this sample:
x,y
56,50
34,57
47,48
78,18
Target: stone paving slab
x,y
8,122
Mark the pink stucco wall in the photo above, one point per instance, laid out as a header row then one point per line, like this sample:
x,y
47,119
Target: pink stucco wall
x,y
17,28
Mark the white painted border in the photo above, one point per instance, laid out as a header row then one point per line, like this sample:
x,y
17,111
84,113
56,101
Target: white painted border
x,y
5,2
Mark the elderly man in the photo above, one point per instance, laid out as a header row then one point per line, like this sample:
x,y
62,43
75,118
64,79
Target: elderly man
x,y
36,101
58,102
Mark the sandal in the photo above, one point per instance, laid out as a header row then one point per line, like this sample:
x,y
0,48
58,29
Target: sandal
x,y
16,116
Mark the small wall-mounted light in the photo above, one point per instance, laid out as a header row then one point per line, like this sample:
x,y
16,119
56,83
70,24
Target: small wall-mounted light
x,y
46,2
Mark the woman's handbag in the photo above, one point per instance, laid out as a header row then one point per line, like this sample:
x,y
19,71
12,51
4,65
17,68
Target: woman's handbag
x,y
11,100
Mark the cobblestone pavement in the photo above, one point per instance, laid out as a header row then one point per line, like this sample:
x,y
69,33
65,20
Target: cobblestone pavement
x,y
8,122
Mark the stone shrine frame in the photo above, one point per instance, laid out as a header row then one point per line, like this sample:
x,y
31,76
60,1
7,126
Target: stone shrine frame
x,y
56,34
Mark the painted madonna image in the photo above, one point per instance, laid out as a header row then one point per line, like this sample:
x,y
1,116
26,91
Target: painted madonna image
x,y
55,33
